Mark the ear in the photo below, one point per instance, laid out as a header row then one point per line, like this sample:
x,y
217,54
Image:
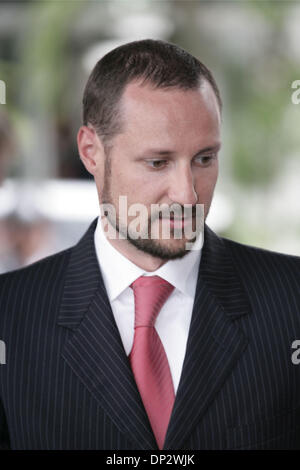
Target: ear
x,y
90,149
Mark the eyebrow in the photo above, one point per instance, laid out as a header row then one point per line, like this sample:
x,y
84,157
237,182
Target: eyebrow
x,y
165,152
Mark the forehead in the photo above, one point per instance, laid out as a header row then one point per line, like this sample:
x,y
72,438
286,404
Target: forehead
x,y
170,113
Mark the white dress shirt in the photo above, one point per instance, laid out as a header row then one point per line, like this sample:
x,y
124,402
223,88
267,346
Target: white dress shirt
x,y
173,321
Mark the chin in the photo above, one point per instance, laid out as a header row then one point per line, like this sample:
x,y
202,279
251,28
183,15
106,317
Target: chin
x,y
173,249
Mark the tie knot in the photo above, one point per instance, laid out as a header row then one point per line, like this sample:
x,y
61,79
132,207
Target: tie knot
x,y
150,293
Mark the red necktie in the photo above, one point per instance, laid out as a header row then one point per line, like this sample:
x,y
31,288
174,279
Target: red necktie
x,y
148,359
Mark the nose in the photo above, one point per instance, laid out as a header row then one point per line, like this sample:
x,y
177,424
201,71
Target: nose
x,y
181,186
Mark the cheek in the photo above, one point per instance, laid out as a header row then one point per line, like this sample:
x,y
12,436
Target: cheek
x,y
137,187
205,185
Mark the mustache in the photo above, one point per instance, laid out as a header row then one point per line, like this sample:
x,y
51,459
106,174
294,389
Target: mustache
x,y
175,212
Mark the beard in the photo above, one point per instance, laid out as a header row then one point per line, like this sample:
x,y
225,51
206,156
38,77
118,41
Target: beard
x,y
167,250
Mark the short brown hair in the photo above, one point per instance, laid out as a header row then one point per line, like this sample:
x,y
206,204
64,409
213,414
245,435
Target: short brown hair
x,y
157,62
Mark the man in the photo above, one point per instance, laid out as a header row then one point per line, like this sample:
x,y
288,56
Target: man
x,y
129,341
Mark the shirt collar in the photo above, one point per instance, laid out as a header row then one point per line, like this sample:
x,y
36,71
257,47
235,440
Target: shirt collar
x,y
119,272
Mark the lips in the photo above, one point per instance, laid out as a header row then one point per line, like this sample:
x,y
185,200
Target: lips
x,y
177,223
171,217
177,219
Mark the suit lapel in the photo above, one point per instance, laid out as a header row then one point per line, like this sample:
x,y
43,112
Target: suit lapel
x,y
95,351
215,341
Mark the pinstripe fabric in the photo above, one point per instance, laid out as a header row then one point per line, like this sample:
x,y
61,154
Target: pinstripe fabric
x,y
67,382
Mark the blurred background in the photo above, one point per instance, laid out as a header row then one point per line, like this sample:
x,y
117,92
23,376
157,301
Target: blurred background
x,y
48,49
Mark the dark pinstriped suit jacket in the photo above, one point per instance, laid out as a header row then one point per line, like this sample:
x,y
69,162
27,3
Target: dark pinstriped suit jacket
x,y
67,382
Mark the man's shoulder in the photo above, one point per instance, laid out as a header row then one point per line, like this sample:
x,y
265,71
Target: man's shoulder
x,y
33,292
48,267
253,250
254,258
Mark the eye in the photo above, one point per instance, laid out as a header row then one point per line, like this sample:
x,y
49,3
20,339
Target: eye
x,y
156,164
205,160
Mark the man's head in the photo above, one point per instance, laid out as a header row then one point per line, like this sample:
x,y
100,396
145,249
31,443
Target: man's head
x,y
151,132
